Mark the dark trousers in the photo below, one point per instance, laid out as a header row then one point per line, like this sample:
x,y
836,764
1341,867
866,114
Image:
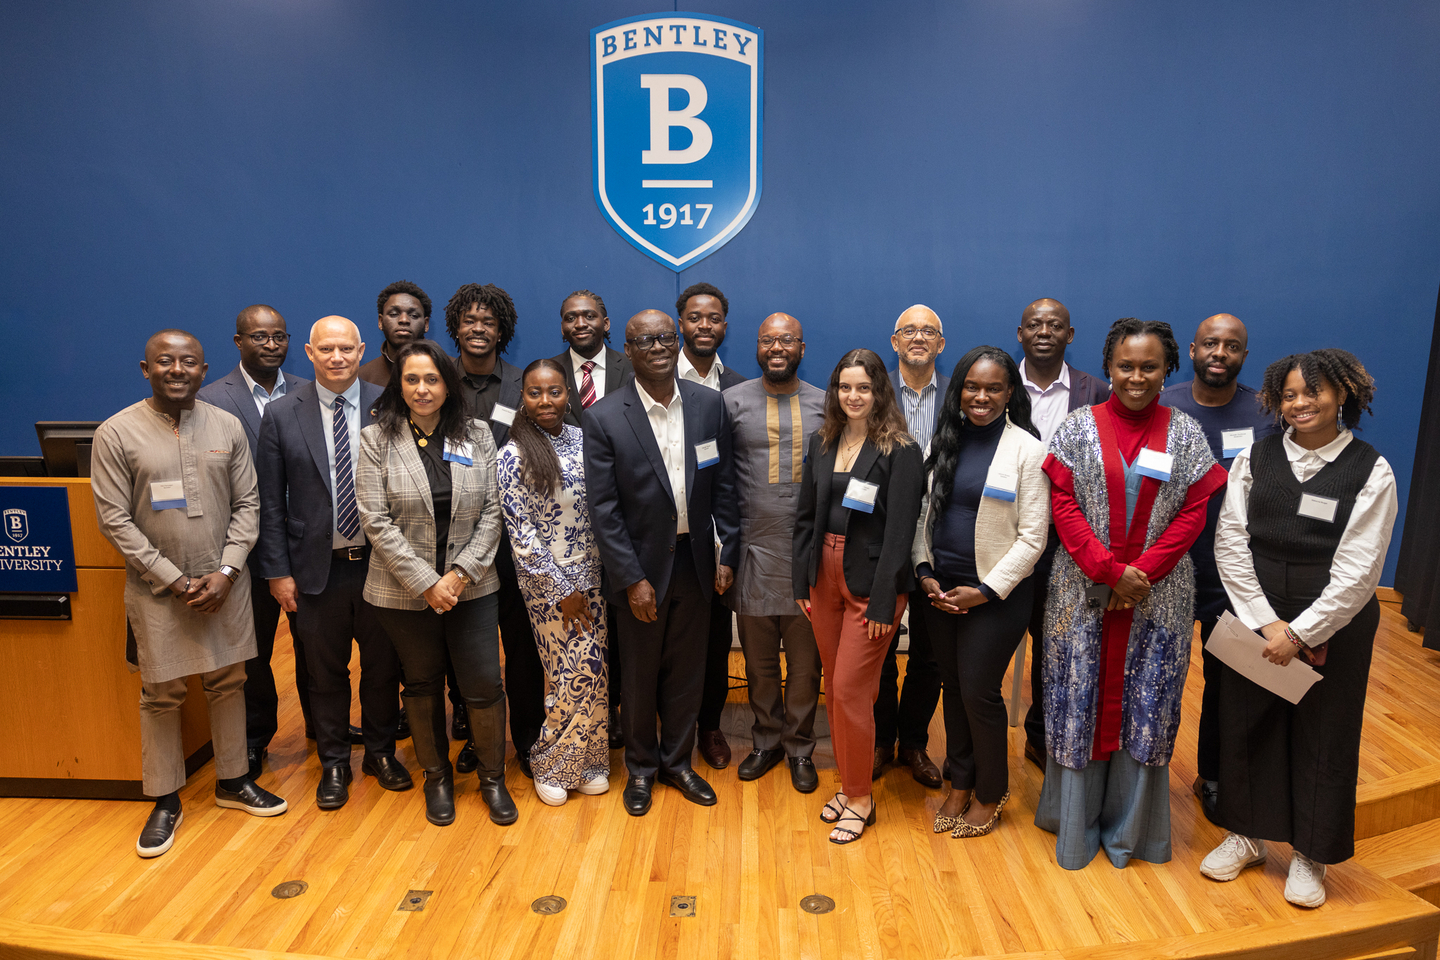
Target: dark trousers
x,y
463,639
784,709
1040,592
524,673
717,665
1210,601
907,711
261,700
972,650
326,622
663,665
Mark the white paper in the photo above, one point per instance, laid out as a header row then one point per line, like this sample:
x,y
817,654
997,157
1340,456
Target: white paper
x,y
1241,649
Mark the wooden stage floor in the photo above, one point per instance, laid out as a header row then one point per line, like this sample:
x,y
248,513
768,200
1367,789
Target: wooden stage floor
x,y
71,885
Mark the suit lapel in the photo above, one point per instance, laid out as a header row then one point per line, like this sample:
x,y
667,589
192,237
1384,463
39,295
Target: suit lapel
x,y
245,403
640,423
695,432
614,371
869,453
312,428
824,468
404,448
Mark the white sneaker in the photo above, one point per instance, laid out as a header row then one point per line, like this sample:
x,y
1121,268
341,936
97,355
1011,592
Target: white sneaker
x,y
1305,887
595,786
1234,854
553,795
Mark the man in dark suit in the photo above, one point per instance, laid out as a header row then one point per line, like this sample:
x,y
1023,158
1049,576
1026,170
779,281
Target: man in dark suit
x,y
905,713
703,310
657,441
481,321
404,316
245,392
316,557
592,368
1056,389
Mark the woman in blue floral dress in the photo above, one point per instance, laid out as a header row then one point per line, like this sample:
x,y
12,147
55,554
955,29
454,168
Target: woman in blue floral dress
x,y
542,488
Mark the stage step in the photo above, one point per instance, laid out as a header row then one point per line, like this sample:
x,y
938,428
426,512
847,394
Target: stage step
x,y
1408,857
1394,803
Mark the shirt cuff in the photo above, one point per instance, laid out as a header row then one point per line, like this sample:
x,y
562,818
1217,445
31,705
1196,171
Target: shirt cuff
x,y
162,575
923,571
988,594
234,556
1256,613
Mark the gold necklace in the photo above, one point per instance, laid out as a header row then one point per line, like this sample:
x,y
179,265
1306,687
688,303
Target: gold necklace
x,y
845,451
420,436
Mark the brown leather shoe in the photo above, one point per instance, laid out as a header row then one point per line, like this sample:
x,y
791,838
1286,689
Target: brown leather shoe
x,y
714,749
921,768
882,757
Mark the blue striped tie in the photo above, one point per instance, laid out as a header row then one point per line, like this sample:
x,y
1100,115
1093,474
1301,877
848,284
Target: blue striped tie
x,y
347,514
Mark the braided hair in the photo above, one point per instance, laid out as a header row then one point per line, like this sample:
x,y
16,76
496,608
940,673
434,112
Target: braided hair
x,y
945,445
489,296
1127,327
1340,368
539,463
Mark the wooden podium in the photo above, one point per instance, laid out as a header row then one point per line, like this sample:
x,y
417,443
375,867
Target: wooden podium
x,y
69,706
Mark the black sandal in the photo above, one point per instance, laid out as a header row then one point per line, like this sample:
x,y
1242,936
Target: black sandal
x,y
854,835
834,806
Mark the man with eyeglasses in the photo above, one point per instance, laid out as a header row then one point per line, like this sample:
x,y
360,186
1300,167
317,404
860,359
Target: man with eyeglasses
x,y
918,339
245,392
659,441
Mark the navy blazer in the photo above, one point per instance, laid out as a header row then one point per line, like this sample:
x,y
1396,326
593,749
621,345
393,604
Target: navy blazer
x,y
629,489
231,393
729,378
942,384
618,372
296,516
1085,390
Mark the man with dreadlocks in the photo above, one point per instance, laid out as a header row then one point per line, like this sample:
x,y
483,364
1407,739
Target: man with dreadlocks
x,y
1300,545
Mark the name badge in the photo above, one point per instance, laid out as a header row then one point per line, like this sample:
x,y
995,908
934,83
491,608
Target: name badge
x,y
461,453
503,415
1155,464
707,454
860,495
1001,484
1317,508
1233,441
167,495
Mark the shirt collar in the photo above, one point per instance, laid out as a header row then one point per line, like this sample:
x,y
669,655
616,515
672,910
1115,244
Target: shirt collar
x,y
351,395
687,370
578,361
934,382
1063,379
475,379
279,390
1328,453
650,403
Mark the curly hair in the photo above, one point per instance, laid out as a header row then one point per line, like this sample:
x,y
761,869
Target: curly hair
x,y
497,301
593,296
539,463
945,445
393,414
886,426
1340,368
403,286
1127,327
701,290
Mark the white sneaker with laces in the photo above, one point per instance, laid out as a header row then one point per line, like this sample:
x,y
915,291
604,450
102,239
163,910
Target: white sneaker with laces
x,y
1234,854
553,795
1305,887
594,786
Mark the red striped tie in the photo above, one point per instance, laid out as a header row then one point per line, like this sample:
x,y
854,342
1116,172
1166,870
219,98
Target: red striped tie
x,y
587,385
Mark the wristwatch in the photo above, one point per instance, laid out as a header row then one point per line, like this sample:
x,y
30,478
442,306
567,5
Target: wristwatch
x,y
230,572
464,577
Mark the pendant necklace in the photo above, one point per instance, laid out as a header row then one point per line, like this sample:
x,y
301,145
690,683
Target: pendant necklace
x,y
420,437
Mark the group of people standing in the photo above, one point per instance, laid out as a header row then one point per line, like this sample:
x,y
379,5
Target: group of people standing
x,y
604,515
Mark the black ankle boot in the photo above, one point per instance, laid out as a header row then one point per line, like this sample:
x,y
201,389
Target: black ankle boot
x,y
487,732
440,798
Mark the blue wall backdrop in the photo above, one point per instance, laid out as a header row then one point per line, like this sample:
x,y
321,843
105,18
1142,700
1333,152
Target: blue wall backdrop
x,y
167,163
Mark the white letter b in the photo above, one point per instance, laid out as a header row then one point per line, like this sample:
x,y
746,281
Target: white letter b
x,y
662,118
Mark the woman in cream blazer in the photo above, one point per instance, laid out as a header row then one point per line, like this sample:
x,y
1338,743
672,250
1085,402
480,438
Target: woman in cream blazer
x,y
982,527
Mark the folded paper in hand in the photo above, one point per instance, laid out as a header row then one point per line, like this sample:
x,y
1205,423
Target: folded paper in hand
x,y
1242,650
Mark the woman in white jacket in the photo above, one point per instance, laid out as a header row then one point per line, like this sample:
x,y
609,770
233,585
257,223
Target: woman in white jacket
x,y
981,529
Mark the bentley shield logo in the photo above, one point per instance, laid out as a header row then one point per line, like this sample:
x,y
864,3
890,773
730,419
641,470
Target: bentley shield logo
x,y
676,102
16,526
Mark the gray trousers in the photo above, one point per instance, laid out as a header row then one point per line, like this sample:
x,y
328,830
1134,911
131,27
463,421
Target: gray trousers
x,y
784,713
162,753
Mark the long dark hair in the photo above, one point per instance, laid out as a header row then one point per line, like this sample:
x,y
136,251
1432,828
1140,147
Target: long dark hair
x,y
1341,368
539,463
945,445
886,424
392,413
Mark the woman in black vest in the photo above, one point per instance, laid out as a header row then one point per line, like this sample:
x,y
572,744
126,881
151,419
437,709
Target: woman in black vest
x,y
1300,545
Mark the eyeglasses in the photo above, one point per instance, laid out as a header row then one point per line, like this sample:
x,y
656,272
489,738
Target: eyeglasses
x,y
785,341
650,339
924,333
260,339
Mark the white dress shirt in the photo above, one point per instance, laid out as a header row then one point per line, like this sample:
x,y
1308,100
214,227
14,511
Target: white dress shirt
x,y
686,371
352,423
919,409
262,399
597,373
668,425
1048,407
1358,560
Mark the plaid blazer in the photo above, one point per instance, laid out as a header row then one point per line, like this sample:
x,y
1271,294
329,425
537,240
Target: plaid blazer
x,y
398,515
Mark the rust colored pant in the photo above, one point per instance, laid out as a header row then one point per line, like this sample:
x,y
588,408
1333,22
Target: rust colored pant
x,y
852,663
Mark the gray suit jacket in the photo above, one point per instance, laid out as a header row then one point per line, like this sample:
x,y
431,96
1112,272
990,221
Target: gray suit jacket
x,y
399,518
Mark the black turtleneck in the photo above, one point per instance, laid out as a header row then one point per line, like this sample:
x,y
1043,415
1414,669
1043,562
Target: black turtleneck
x,y
953,542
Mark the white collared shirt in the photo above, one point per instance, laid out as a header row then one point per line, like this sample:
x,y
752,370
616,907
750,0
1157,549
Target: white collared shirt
x,y
352,423
1359,558
257,392
597,373
1048,407
686,371
668,425
919,409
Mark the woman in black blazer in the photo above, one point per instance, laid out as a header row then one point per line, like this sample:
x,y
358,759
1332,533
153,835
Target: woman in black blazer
x,y
859,500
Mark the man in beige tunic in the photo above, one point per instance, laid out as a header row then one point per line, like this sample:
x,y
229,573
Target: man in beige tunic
x,y
175,493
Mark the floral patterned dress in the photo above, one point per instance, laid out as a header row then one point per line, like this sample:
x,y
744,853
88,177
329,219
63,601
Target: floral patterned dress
x,y
555,556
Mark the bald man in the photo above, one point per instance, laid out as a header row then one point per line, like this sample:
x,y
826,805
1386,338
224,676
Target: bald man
x,y
175,493
315,556
1229,412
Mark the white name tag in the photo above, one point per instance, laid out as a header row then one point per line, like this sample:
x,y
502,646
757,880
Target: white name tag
x,y
503,415
1317,508
707,454
462,453
860,495
1233,441
167,495
1001,484
1154,463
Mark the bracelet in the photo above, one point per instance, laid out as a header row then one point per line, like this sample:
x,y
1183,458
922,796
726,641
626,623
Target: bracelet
x,y
1292,637
187,584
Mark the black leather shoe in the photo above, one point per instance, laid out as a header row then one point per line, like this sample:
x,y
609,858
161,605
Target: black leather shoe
x,y
802,774
759,763
254,755
459,724
922,768
714,749
357,736
159,833
1209,793
402,732
334,788
637,795
388,771
691,786
497,797
467,760
252,799
524,760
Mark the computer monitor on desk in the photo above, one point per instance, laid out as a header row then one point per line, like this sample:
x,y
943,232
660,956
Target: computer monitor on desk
x,y
65,445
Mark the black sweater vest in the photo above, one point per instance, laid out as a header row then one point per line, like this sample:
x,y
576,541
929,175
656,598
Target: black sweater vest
x,y
1276,528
